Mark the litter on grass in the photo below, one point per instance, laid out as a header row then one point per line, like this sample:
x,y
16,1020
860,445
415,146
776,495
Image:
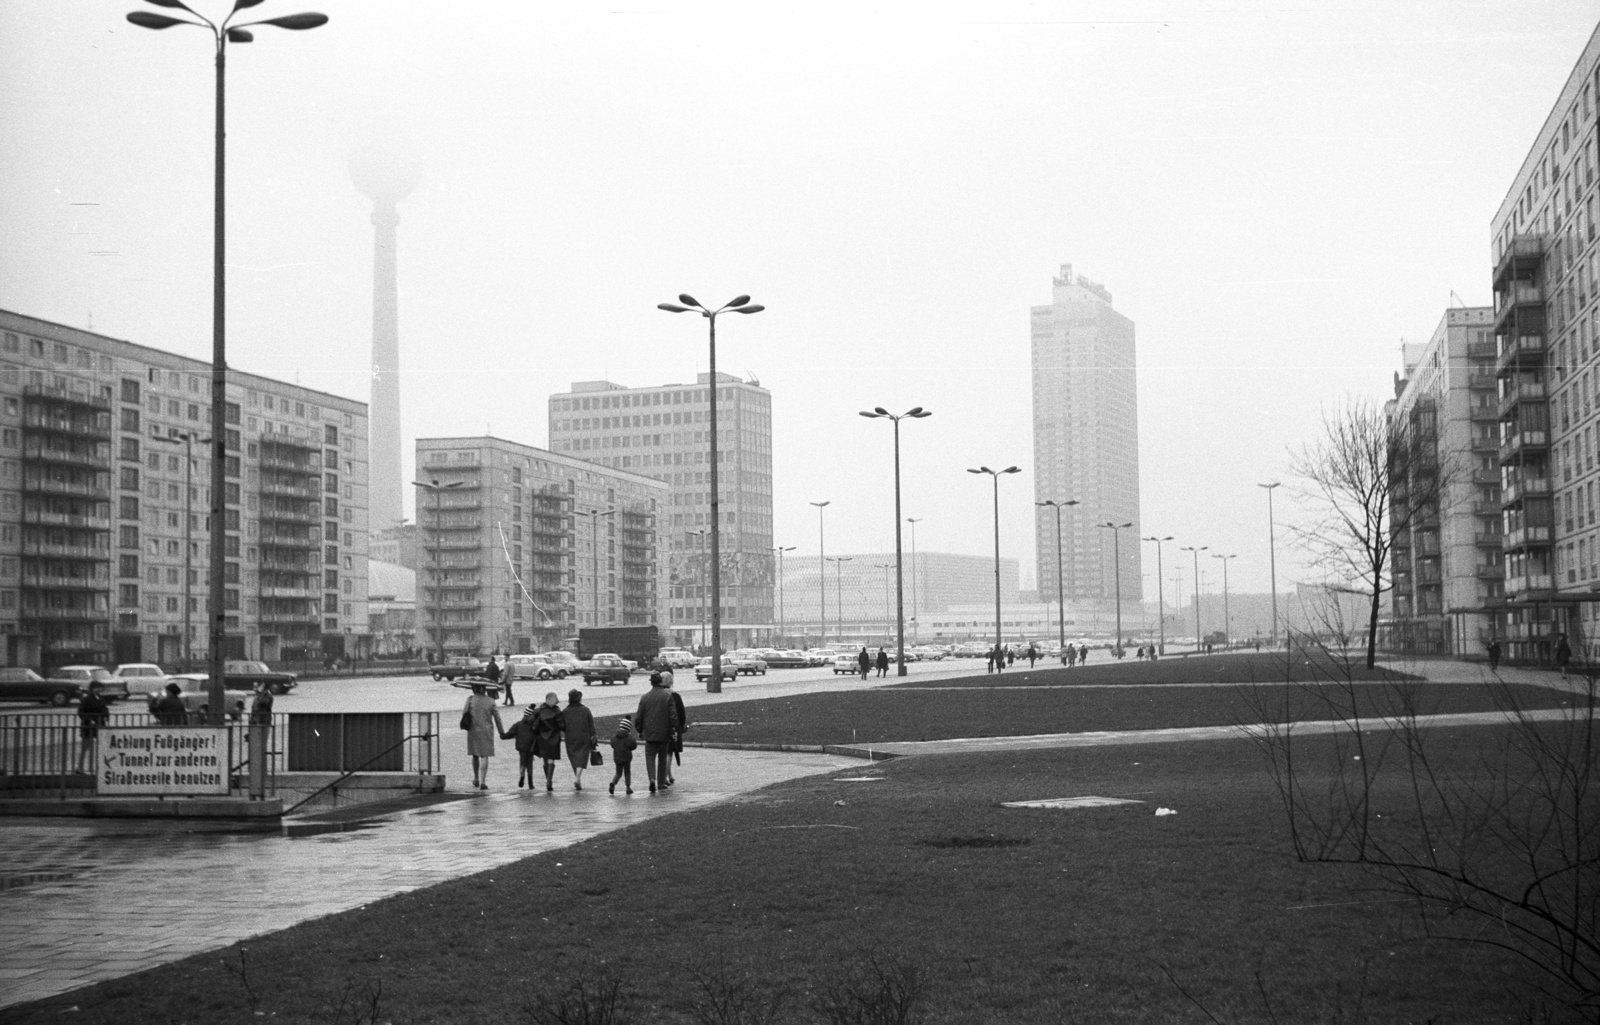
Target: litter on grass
x,y
1166,811
1070,802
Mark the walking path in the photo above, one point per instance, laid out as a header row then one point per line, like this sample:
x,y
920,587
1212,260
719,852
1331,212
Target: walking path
x,y
102,899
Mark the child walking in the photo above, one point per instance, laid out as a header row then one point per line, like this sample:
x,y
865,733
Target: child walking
x,y
622,746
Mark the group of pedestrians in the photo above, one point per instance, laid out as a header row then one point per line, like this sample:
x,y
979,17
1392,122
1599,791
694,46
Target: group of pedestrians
x,y
546,728
866,662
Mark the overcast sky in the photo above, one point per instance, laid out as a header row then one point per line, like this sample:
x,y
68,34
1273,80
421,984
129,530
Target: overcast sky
x,y
1276,194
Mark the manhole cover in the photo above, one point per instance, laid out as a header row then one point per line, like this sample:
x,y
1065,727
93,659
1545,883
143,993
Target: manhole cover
x,y
1070,802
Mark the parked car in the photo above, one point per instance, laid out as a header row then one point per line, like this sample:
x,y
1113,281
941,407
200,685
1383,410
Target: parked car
x,y
748,663
702,670
821,656
606,669
111,688
244,676
788,660
194,690
534,667
21,684
459,667
677,658
140,677
572,662
632,664
845,664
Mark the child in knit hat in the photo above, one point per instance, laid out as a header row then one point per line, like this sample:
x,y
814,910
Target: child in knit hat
x,y
622,746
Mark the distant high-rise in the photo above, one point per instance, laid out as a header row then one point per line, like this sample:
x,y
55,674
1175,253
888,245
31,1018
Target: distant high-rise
x,y
386,182
1085,440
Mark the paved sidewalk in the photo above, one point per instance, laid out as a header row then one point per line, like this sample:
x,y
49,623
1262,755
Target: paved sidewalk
x,y
105,899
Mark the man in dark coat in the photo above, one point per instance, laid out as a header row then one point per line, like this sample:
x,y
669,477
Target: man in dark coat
x,y
864,660
1493,652
1563,653
170,710
656,721
93,713
883,663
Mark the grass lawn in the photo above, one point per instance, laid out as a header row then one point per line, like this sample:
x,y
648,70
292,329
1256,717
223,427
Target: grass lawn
x,y
1012,915
887,714
1236,667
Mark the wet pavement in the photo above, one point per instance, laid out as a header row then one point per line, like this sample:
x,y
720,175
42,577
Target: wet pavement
x,y
104,899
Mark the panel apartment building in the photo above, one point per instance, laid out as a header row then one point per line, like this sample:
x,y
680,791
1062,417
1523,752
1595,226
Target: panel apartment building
x,y
1447,568
104,543
520,547
1547,326
662,432
1085,441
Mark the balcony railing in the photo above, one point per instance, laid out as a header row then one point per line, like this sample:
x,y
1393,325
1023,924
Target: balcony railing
x,y
1494,540
93,553
96,429
1523,441
58,582
47,485
78,521
62,396
98,460
64,615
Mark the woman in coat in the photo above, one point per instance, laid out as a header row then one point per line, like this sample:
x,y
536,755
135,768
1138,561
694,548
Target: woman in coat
x,y
580,736
483,722
548,725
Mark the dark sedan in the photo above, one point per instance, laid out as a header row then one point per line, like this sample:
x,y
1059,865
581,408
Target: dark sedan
x,y
245,675
606,670
20,684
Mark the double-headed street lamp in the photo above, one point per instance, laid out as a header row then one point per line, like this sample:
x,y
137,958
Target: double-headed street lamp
x,y
915,413
187,439
999,632
1116,562
822,576
1196,551
437,489
1061,591
740,304
1227,621
780,551
1272,557
223,32
1161,598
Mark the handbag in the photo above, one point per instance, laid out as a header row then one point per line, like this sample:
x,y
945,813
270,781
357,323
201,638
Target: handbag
x,y
596,758
466,720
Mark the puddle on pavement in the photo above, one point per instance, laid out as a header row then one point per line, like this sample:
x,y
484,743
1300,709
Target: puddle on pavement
x,y
296,830
1070,802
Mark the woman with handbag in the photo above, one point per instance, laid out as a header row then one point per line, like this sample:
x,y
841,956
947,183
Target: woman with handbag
x,y
481,719
580,736
548,725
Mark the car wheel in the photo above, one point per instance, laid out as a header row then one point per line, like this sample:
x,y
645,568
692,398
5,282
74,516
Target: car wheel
x,y
59,698
437,677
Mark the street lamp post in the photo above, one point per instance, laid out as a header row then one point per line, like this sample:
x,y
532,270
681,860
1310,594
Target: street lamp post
x,y
994,475
822,576
223,33
1116,565
886,567
1161,598
916,624
740,304
1196,551
700,578
1061,590
1227,621
1272,557
915,413
594,553
438,575
838,591
780,551
187,440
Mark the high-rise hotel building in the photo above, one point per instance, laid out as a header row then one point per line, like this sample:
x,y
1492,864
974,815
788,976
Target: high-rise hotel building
x,y
1085,441
520,548
104,546
662,432
1547,329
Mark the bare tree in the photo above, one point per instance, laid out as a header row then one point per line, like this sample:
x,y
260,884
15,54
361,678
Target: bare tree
x,y
1366,480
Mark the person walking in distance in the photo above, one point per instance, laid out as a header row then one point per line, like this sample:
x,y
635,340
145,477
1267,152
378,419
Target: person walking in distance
x,y
883,663
1083,654
1563,654
864,662
548,726
622,745
1493,651
482,720
93,713
989,667
579,735
654,721
491,672
1033,654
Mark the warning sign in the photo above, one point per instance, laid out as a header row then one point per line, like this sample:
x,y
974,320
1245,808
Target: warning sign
x,y
176,760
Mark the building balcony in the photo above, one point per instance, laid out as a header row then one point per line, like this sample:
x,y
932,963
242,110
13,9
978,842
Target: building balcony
x,y
37,484
310,618
289,489
303,542
58,582
1494,540
41,395
1527,537
91,428
75,552
458,606
93,458
471,523
1517,394
457,502
78,521
1527,487
1518,292
67,614
1519,443
279,591
449,542
456,585
1521,350
1486,508
289,516
1482,350
1522,258
1486,443
455,562
274,562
